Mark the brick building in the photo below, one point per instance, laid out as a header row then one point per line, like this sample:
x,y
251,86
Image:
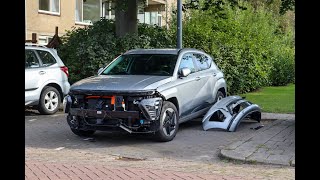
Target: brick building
x,y
42,16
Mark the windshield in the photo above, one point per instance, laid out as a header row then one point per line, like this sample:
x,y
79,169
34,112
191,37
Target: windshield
x,y
143,64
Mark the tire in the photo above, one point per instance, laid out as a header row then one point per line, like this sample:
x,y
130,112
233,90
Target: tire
x,y
219,96
50,100
168,126
82,133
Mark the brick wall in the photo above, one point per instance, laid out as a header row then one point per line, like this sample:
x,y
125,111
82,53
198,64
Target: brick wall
x,y
44,24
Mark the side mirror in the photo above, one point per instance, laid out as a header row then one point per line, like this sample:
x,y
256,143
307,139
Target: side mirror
x,y
100,70
184,72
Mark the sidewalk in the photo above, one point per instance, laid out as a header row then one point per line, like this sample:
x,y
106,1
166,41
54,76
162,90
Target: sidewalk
x,y
272,144
54,171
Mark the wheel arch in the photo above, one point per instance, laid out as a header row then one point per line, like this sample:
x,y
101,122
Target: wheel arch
x,y
174,101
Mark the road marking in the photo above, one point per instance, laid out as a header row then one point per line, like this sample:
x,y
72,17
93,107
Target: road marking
x,y
59,148
32,120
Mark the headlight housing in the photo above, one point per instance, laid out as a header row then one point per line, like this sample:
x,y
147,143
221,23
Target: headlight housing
x,y
151,108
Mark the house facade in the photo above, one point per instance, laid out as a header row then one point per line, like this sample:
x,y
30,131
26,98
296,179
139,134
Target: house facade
x,y
43,16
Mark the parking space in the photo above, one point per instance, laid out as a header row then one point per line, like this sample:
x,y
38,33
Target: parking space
x,y
190,143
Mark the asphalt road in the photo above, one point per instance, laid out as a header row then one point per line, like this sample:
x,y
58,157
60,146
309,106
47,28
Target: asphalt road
x,y
191,142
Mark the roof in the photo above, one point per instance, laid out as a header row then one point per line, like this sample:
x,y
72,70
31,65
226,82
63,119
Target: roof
x,y
158,51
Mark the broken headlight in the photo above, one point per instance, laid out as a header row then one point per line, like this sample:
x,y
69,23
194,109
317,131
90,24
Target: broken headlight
x,y
151,108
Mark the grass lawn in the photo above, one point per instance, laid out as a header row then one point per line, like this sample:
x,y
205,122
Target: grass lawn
x,y
275,99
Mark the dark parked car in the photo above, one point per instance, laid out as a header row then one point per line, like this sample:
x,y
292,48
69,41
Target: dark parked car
x,y
146,91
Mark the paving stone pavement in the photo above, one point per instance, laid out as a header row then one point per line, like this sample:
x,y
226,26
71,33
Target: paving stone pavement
x,y
272,144
51,171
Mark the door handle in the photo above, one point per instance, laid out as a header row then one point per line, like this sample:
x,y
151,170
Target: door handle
x,y
42,72
214,74
198,78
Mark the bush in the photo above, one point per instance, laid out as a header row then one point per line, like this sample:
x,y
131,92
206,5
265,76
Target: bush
x,y
245,44
85,50
283,68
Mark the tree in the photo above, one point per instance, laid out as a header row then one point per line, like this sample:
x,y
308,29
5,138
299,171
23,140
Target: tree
x,y
126,17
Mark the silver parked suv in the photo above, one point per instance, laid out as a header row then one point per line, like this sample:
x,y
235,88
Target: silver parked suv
x,y
46,79
146,91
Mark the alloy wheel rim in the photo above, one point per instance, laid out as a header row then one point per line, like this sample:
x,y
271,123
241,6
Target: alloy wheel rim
x,y
51,101
219,98
169,121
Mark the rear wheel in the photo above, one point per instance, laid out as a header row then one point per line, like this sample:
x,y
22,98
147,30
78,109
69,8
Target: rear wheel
x,y
50,101
169,125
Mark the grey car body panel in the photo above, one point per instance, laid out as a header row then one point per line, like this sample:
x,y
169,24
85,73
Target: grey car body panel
x,y
231,119
121,82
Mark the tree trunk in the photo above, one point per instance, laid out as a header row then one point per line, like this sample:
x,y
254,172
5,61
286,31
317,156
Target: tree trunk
x,y
126,17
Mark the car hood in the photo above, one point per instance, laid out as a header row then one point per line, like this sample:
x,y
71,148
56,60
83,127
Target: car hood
x,y
120,82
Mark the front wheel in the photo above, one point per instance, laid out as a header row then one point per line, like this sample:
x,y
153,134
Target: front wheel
x,y
169,125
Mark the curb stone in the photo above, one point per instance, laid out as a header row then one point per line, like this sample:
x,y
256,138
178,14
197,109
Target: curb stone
x,y
274,143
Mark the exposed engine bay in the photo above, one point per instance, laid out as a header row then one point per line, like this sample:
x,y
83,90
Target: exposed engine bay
x,y
134,112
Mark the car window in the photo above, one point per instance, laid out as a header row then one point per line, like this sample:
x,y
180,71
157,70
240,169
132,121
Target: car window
x,y
46,58
187,61
31,60
143,64
201,61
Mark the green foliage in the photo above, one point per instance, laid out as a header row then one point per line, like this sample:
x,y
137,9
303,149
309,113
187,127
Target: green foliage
x,y
85,50
245,42
287,5
252,44
283,67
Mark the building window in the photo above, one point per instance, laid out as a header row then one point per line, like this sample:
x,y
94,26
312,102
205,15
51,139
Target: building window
x,y
44,40
141,14
159,20
87,11
49,6
108,9
152,18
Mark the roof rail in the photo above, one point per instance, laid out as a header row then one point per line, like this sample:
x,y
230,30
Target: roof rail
x,y
37,45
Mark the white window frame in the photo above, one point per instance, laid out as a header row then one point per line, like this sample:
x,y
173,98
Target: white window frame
x,y
44,38
81,22
159,16
50,12
109,12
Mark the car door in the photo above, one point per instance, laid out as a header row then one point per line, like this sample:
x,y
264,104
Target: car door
x,y
188,87
32,70
50,70
32,76
207,80
35,75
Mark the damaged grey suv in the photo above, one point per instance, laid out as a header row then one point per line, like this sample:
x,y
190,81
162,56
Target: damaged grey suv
x,y
146,91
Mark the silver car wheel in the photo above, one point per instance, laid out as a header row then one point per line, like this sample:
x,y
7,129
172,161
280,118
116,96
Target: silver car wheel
x,y
51,101
169,121
219,98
